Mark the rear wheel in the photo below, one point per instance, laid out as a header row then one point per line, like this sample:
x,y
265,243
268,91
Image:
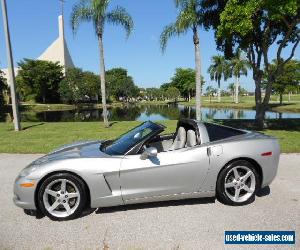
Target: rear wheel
x,y
62,196
238,183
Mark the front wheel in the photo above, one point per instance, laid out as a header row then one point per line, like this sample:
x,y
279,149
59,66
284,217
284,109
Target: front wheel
x,y
62,196
238,183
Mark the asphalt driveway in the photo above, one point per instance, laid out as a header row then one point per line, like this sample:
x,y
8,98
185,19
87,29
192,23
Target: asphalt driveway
x,y
191,224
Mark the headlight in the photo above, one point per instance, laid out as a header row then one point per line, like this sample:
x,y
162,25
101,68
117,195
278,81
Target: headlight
x,y
28,170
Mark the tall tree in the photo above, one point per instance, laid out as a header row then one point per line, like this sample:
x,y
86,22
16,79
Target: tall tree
x,y
38,80
231,88
189,18
120,84
154,93
255,26
96,11
166,85
210,91
239,66
184,80
78,86
173,93
288,80
218,69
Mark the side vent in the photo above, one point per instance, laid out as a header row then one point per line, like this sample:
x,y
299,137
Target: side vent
x,y
107,183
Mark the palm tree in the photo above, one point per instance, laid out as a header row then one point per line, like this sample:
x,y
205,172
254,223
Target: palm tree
x,y
210,91
231,88
239,66
95,11
218,69
189,18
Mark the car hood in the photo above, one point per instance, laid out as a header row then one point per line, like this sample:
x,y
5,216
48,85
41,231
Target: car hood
x,y
81,149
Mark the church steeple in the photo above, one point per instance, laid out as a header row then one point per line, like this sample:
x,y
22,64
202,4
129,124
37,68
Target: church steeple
x,y
62,7
61,27
61,21
58,50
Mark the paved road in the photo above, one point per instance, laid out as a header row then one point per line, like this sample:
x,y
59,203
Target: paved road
x,y
192,224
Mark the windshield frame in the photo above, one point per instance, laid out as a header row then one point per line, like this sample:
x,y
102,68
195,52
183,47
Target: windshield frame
x,y
134,147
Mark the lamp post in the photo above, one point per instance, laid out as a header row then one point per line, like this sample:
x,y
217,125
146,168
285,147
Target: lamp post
x,y
11,72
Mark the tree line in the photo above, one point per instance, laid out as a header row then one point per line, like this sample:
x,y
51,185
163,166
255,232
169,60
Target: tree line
x,y
238,65
251,27
45,82
261,29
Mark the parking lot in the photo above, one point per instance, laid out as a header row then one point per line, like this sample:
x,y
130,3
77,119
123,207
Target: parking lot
x,y
190,224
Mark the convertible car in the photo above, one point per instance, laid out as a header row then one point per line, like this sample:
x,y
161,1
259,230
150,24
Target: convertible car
x,y
145,165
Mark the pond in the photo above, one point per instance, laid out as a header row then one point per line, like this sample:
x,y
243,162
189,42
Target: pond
x,y
143,113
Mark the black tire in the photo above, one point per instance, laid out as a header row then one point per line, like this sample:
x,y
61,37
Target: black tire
x,y
224,196
81,189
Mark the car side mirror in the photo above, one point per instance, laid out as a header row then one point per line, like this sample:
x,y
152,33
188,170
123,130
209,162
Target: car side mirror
x,y
149,152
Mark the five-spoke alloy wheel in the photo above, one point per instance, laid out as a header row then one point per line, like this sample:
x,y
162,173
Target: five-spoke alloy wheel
x,y
62,196
238,183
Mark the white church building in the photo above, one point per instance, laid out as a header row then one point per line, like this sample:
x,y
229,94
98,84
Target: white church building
x,y
57,52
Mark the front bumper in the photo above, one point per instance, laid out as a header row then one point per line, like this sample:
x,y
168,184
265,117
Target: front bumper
x,y
24,196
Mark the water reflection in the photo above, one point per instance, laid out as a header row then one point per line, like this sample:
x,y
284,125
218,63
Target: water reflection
x,y
142,113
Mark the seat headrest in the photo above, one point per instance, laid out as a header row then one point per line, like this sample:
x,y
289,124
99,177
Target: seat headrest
x,y
181,134
180,139
191,140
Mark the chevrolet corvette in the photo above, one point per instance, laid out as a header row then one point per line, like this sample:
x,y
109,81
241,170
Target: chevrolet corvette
x,y
199,159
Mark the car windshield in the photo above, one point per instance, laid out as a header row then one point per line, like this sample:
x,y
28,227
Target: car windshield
x,y
126,141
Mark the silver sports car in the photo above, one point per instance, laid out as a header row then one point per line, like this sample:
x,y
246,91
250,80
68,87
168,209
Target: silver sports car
x,y
144,165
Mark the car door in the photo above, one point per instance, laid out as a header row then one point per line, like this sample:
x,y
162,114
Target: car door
x,y
179,173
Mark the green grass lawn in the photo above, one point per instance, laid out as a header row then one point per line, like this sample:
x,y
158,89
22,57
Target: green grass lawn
x,y
38,107
44,137
248,102
289,140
